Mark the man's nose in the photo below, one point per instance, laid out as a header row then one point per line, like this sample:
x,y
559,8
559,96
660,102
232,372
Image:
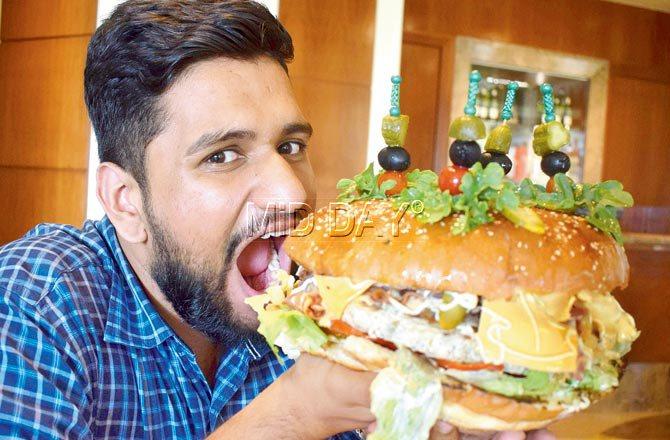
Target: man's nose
x,y
280,186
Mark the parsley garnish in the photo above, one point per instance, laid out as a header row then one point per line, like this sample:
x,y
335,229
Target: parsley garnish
x,y
597,203
363,187
422,185
486,191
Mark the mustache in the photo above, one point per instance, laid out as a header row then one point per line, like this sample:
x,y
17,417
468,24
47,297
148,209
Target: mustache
x,y
276,217
233,243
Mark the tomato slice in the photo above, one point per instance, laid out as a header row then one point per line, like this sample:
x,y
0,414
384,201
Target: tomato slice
x,y
468,367
339,326
384,343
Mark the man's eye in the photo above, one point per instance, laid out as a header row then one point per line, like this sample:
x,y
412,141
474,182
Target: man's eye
x,y
225,156
290,148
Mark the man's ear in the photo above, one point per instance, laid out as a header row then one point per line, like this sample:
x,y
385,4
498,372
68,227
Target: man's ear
x,y
121,198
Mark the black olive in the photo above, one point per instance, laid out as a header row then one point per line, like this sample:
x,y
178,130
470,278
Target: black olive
x,y
464,153
582,211
499,158
393,159
554,163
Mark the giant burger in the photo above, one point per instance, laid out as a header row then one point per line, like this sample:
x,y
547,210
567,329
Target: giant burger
x,y
519,327
483,303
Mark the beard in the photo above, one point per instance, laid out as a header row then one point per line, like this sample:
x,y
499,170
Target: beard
x,y
198,296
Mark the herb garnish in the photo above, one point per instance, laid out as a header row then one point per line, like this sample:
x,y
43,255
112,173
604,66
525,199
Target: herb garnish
x,y
597,203
485,191
363,187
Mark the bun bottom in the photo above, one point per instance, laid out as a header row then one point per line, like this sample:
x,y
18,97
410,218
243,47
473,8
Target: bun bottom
x,y
473,409
467,408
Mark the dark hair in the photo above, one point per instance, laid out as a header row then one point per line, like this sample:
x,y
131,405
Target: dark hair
x,y
141,49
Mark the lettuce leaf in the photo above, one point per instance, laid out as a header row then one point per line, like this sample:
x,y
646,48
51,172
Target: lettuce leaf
x,y
535,384
291,330
551,387
598,379
406,398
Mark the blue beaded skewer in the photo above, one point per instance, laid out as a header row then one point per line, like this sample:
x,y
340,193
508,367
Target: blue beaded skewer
x,y
548,98
473,91
395,95
506,113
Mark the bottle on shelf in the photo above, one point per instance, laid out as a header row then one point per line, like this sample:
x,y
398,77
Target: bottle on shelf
x,y
494,105
483,104
567,113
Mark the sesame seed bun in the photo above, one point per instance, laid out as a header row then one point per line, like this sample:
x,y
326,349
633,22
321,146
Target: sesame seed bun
x,y
492,261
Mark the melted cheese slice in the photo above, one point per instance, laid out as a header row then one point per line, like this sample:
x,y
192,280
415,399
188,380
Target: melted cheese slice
x,y
519,332
338,292
616,328
556,305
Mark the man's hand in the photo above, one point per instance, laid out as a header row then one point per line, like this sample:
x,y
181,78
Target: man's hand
x,y
327,398
313,400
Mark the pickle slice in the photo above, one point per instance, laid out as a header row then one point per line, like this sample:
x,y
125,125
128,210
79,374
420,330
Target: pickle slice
x,y
526,218
499,140
449,319
467,128
549,137
394,129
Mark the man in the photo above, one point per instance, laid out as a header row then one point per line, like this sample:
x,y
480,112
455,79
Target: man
x,y
135,326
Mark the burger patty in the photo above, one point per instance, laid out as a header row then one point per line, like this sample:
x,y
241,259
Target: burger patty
x,y
379,314
419,335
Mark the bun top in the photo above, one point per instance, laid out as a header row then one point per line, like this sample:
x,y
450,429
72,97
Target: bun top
x,y
365,240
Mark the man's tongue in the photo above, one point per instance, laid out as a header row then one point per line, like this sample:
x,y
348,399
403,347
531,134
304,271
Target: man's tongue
x,y
260,258
253,263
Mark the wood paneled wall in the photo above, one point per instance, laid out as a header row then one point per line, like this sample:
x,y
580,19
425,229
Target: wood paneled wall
x,y
647,298
331,76
44,130
635,41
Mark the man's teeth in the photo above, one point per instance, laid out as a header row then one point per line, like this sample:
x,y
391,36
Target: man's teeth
x,y
274,262
274,234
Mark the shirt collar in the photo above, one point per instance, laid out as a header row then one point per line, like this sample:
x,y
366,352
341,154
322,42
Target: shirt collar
x,y
257,347
131,319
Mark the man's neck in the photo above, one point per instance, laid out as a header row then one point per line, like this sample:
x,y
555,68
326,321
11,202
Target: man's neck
x,y
207,353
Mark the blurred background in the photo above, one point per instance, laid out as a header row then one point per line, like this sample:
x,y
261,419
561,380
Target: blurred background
x,y
609,62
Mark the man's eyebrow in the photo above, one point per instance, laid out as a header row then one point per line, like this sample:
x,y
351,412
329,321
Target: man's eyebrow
x,y
208,139
297,127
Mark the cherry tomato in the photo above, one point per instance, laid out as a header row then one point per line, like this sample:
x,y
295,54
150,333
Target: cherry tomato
x,y
550,185
450,179
400,181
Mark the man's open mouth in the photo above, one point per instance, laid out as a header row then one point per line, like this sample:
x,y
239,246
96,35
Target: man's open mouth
x,y
260,258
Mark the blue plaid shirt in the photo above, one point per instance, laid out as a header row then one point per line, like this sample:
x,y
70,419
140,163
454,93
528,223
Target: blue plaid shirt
x,y
84,354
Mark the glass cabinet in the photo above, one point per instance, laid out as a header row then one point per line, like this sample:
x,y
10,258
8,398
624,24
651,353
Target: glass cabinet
x,y
571,104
